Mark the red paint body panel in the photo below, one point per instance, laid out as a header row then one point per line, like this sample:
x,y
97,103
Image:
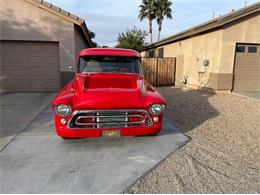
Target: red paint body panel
x,y
107,91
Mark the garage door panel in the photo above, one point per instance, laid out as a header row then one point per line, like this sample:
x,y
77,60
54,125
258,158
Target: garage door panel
x,y
249,62
246,69
7,48
32,74
9,73
51,60
24,60
247,74
36,61
14,60
51,49
47,61
50,84
6,59
36,48
246,86
36,74
20,47
246,57
30,66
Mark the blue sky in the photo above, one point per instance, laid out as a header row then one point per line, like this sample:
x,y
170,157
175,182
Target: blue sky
x,y
107,18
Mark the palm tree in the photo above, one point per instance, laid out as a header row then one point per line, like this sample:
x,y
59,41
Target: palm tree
x,y
163,9
147,10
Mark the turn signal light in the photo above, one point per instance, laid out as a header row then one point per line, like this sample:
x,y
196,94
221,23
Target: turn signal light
x,y
155,119
63,121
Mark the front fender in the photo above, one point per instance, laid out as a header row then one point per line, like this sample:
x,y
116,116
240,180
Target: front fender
x,y
65,96
153,96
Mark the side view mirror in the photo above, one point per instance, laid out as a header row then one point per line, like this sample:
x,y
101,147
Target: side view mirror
x,y
71,68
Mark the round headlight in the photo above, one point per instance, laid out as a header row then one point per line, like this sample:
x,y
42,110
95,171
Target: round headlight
x,y
62,110
157,108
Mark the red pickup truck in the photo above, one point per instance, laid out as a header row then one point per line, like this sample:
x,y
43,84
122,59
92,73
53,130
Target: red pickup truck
x,y
108,97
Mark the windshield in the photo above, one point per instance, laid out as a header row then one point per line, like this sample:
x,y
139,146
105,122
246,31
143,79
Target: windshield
x,y
110,64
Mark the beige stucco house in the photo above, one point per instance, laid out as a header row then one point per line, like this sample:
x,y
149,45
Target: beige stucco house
x,y
222,54
38,42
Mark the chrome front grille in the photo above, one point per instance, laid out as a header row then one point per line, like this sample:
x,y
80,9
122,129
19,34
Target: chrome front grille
x,y
93,119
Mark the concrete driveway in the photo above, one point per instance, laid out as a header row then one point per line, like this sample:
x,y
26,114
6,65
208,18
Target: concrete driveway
x,y
18,110
251,94
37,161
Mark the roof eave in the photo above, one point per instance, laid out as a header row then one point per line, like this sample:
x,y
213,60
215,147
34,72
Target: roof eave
x,y
211,25
85,30
65,15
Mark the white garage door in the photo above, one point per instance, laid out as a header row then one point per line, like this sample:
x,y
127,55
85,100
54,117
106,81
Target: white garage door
x,y
29,66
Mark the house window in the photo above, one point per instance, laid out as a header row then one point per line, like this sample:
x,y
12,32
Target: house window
x,y
160,52
252,49
151,53
240,49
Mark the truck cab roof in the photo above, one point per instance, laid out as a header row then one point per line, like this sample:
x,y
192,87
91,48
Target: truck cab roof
x,y
109,52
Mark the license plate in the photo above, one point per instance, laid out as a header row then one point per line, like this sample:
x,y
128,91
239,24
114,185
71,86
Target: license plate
x,y
111,133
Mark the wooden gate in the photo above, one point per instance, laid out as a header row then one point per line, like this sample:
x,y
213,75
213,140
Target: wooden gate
x,y
159,71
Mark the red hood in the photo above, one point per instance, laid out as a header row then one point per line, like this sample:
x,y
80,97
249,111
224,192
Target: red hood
x,y
109,91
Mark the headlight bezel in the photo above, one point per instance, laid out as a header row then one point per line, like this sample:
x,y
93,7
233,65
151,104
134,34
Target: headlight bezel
x,y
68,112
155,110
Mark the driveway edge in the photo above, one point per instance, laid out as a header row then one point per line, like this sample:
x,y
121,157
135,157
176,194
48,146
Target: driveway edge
x,y
15,136
152,168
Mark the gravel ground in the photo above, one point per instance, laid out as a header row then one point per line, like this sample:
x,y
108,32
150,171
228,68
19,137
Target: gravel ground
x,y
223,154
